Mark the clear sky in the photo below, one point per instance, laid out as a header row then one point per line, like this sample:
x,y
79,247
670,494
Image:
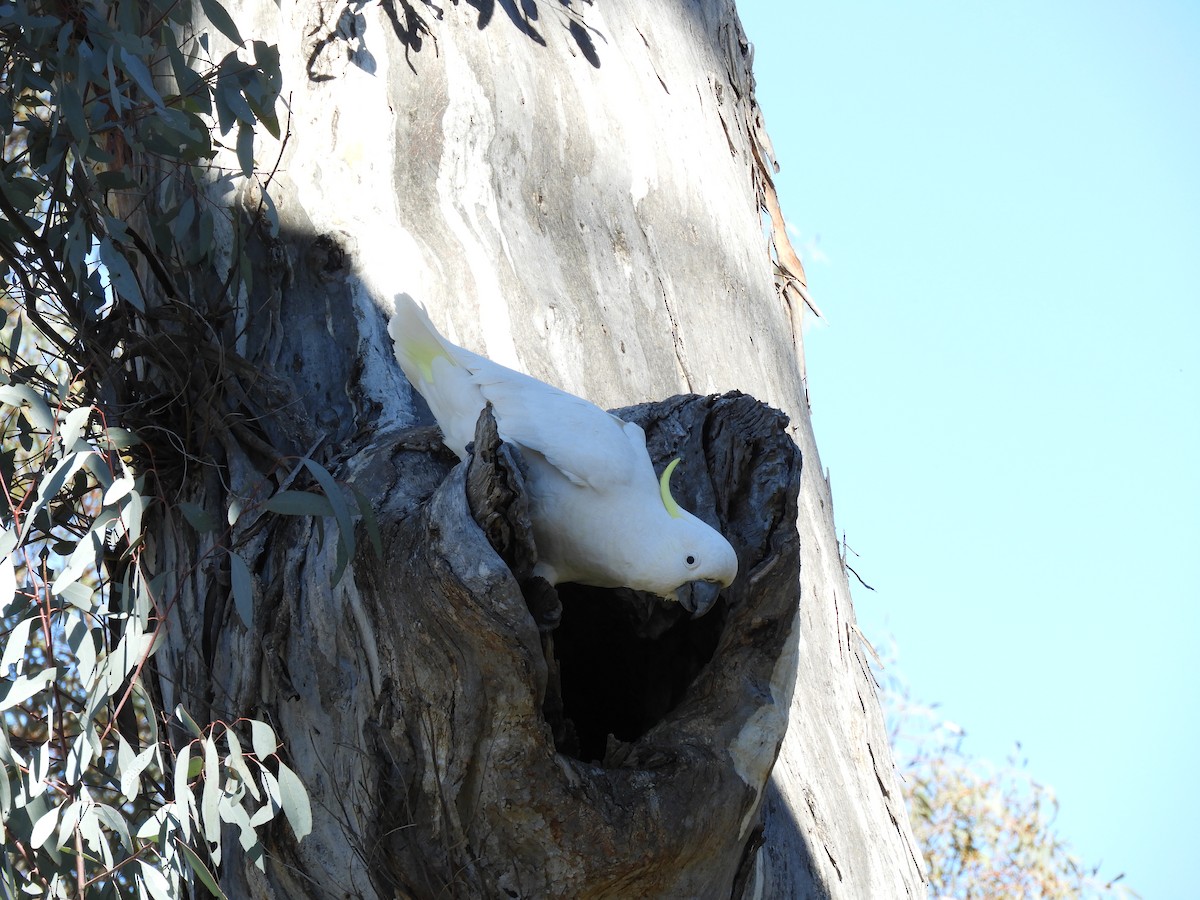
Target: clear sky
x,y
999,209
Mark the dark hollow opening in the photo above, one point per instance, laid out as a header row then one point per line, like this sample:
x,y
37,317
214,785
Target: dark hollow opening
x,y
625,661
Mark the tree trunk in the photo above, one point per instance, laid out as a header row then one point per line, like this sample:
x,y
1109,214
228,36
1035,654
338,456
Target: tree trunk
x,y
574,190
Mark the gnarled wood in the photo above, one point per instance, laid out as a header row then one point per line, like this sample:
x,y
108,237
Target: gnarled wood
x,y
472,773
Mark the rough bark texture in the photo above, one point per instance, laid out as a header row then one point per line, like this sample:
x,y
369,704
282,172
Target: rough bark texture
x,y
574,190
466,762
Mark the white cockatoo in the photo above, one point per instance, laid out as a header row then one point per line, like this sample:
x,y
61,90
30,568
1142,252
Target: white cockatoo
x,y
600,515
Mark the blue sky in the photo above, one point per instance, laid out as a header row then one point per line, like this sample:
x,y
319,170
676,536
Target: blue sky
x,y
999,208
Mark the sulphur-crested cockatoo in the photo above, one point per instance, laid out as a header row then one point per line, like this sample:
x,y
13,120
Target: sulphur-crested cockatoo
x,y
600,515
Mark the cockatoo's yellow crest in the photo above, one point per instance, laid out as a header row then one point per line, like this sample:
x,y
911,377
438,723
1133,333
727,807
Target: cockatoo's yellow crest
x,y
664,488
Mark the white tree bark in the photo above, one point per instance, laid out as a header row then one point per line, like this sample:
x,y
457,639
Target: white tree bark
x,y
577,191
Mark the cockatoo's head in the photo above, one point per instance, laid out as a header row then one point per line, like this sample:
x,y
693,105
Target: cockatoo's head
x,y
699,561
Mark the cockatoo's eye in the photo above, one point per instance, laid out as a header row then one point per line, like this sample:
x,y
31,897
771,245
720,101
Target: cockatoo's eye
x,y
691,561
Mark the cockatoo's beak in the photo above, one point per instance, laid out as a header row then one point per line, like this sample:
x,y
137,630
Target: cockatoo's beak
x,y
698,597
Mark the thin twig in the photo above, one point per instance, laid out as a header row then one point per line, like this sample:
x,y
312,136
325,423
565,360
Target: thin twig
x,y
856,575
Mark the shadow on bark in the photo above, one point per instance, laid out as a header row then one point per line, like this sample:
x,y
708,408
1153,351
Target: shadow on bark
x,y
342,30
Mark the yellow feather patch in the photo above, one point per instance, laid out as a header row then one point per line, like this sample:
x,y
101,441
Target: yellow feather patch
x,y
423,353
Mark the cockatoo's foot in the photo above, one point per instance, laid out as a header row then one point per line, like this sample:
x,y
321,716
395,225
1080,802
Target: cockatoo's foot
x,y
543,602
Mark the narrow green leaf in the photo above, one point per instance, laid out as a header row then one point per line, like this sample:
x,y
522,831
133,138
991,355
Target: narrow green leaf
x,y
6,797
198,517
337,500
264,814
14,341
188,721
70,818
74,424
99,467
44,827
132,772
211,794
183,792
237,762
71,104
79,758
245,149
8,586
8,542
122,438
114,95
137,70
25,686
125,758
36,410
294,799
49,488
243,588
262,739
229,90
17,644
370,521
271,786
299,503
118,489
124,282
115,823
215,13
266,57
154,881
80,596
82,558
201,870
131,518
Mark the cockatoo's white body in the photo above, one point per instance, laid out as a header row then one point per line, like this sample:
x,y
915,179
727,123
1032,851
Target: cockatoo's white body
x,y
600,515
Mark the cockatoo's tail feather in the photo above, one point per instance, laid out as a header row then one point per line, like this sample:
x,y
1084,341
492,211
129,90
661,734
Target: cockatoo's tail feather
x,y
600,516
418,343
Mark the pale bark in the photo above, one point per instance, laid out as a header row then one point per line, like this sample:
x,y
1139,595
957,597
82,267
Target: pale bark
x,y
576,191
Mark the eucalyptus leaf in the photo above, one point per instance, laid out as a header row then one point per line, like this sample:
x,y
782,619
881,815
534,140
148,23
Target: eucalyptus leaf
x,y
154,881
242,584
120,273
183,792
210,795
221,20
299,503
44,827
202,872
198,517
295,802
262,739
136,69
17,644
188,721
23,687
245,149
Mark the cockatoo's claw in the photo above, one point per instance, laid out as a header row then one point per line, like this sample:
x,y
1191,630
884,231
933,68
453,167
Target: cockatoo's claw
x,y
543,602
698,597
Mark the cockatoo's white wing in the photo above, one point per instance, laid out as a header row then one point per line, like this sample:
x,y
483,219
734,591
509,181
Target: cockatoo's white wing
x,y
588,445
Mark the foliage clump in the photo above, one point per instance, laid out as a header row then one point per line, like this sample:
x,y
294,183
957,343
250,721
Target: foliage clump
x,y
984,830
108,113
